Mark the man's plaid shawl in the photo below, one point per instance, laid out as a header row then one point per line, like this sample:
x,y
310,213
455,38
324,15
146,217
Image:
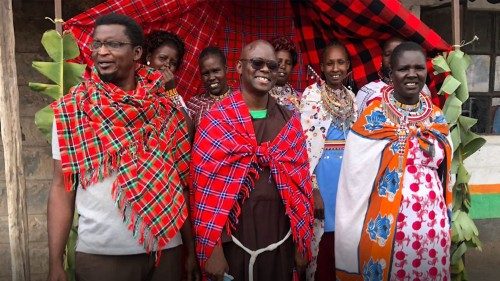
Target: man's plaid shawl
x,y
361,25
226,161
139,136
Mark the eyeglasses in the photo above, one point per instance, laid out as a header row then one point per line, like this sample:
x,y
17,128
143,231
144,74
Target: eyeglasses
x,y
111,45
258,64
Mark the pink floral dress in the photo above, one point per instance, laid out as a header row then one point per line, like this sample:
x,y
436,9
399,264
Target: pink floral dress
x,y
422,240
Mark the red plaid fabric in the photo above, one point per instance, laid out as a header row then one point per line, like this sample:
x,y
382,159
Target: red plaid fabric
x,y
226,160
361,25
196,22
139,136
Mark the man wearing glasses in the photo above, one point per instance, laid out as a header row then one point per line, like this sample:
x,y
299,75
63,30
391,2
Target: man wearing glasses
x,y
121,155
252,194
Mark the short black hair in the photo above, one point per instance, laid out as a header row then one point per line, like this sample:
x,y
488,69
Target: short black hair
x,y
132,29
283,43
157,39
334,44
213,51
403,47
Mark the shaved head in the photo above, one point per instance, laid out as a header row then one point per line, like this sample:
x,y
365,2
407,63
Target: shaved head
x,y
252,46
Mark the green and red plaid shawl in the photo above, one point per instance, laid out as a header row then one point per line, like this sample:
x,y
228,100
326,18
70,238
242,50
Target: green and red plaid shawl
x,y
226,160
139,136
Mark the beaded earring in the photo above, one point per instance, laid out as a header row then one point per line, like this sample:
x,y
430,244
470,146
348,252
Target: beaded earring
x,y
148,63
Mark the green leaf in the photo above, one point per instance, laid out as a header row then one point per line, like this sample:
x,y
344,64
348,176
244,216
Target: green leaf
x,y
467,225
51,41
440,65
452,109
70,50
51,70
43,120
457,267
463,175
458,253
471,143
450,85
53,91
459,62
455,137
466,122
72,73
454,233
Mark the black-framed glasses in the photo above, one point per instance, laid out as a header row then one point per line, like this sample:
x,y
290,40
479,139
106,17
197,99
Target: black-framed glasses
x,y
258,64
111,45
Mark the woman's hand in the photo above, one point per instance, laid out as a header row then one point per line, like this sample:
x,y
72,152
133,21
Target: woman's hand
x,y
217,265
168,77
319,207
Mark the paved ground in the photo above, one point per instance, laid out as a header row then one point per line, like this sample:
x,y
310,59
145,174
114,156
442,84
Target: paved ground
x,y
485,265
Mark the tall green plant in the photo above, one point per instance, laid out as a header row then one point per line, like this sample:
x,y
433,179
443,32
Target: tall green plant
x,y
465,143
64,74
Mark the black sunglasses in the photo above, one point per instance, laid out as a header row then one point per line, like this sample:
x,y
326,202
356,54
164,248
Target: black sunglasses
x,y
258,64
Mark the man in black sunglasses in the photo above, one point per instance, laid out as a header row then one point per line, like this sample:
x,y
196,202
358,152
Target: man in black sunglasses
x,y
250,176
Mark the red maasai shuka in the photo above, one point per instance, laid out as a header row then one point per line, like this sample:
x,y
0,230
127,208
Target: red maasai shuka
x,y
362,25
226,160
138,135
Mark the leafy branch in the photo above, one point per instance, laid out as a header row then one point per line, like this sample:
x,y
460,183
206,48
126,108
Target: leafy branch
x,y
465,234
64,74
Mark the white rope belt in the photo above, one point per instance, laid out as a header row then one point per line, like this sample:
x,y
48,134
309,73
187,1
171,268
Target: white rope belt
x,y
254,254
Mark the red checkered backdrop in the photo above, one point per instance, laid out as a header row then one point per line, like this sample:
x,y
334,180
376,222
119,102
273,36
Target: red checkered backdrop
x,y
361,25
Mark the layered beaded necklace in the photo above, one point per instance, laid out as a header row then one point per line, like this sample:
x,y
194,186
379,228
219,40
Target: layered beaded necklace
x,y
285,95
400,113
405,116
340,104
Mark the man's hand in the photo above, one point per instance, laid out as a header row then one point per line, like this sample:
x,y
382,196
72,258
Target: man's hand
x,y
300,261
319,207
192,268
217,265
57,273
60,210
168,77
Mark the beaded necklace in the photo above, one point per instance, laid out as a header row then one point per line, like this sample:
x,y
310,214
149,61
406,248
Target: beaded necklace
x,y
285,95
219,97
405,116
340,104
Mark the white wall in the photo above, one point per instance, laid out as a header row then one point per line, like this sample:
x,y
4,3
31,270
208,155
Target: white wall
x,y
484,165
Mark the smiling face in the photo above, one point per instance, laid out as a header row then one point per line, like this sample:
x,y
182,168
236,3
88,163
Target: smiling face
x,y
213,75
334,66
115,65
408,76
164,56
285,67
253,81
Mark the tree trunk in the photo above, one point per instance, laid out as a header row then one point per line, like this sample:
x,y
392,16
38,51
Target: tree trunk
x,y
11,138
